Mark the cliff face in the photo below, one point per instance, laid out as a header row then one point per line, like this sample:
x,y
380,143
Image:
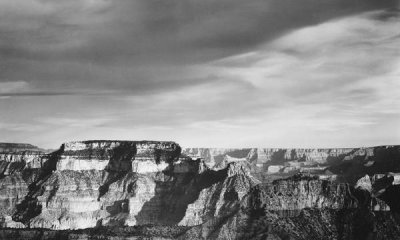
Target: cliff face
x,y
18,147
302,207
223,197
152,186
87,183
110,183
296,194
115,155
351,163
19,166
275,156
14,157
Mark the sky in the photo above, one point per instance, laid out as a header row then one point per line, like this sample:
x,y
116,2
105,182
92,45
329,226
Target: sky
x,y
209,73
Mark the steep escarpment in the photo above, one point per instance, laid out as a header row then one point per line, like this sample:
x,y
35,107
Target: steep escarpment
x,y
349,163
18,147
155,189
20,165
14,157
13,189
115,155
264,157
223,197
300,192
301,207
214,156
68,192
99,233
322,224
385,187
376,160
107,183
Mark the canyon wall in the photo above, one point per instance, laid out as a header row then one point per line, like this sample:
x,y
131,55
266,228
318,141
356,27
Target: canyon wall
x,y
274,156
15,157
18,147
107,183
303,207
344,161
196,193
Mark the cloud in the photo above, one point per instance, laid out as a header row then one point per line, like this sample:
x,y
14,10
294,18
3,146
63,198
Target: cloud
x,y
327,62
203,73
11,87
68,122
20,127
327,83
24,89
136,46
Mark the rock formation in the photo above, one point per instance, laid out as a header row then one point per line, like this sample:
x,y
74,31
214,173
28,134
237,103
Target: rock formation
x,y
157,190
350,163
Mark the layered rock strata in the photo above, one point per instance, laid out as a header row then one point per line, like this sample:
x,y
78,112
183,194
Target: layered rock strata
x,y
280,155
115,155
18,147
15,157
19,166
351,163
302,207
199,193
110,183
73,190
275,156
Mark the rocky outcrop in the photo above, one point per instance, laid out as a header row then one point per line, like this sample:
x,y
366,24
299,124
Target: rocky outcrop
x,y
301,207
213,157
384,188
316,156
72,199
374,158
222,198
13,189
77,187
195,193
274,156
300,192
371,161
17,162
18,147
318,224
14,157
110,183
115,155
19,167
364,183
100,233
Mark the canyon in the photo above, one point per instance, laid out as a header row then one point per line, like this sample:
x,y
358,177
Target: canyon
x,y
104,189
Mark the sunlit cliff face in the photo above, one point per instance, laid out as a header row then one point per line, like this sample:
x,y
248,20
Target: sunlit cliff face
x,y
102,187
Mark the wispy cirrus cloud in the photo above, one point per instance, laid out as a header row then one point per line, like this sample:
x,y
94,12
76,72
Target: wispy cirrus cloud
x,y
225,73
351,62
68,122
136,46
12,87
20,127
